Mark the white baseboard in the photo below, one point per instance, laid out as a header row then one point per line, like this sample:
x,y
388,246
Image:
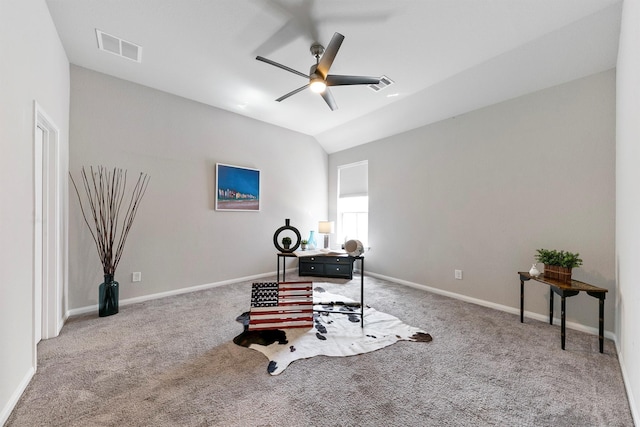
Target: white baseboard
x,y
94,308
489,304
15,396
60,324
635,413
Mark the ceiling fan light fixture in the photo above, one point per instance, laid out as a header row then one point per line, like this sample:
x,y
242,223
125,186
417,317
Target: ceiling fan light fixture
x,y
319,77
317,85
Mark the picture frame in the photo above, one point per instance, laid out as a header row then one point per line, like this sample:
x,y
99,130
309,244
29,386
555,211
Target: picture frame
x,y
237,188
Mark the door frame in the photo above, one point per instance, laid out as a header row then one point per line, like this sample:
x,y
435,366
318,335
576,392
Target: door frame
x,y
52,227
38,183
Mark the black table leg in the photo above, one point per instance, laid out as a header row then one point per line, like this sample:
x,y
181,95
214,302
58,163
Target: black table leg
x,y
601,325
563,306
521,301
551,306
278,269
362,292
601,296
564,294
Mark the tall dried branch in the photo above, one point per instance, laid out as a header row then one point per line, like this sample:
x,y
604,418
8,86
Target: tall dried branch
x,y
105,191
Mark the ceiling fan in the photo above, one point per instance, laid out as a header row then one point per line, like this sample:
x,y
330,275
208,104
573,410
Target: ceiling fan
x,y
319,77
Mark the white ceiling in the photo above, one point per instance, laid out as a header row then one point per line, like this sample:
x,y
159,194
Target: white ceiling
x,y
447,57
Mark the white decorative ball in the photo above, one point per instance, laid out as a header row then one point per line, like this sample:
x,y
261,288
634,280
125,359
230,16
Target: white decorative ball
x,y
354,247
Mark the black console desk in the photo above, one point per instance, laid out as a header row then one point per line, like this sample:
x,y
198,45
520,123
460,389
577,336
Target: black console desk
x,y
325,265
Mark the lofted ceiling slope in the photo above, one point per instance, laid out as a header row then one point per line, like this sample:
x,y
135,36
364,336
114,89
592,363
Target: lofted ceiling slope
x,y
446,57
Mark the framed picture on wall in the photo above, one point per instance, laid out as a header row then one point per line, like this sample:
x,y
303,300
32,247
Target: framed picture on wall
x,y
237,188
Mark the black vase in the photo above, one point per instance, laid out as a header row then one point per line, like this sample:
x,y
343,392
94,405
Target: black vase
x,y
108,296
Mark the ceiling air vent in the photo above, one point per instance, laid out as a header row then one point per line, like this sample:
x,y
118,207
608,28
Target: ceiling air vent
x,y
117,46
384,82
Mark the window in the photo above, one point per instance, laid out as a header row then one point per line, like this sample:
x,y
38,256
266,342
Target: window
x,y
353,203
354,218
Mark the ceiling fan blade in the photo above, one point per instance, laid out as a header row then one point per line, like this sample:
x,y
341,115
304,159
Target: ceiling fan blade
x,y
337,80
284,67
293,92
299,16
328,97
330,54
280,38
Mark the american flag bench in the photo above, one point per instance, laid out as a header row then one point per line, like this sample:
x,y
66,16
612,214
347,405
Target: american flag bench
x,y
283,305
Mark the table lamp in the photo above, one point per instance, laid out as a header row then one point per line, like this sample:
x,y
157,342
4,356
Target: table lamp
x,y
326,228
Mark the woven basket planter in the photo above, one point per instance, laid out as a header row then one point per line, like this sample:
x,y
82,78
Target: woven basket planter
x,y
555,272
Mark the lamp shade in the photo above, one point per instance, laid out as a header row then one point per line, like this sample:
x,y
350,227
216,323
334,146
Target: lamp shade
x,y
325,227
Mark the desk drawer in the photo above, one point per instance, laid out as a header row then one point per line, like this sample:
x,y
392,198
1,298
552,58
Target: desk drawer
x,y
339,270
310,268
326,266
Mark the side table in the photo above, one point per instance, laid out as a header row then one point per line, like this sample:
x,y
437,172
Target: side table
x,y
566,290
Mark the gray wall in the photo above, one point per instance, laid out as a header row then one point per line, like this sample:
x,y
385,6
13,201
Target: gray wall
x,y
178,240
481,192
33,67
628,201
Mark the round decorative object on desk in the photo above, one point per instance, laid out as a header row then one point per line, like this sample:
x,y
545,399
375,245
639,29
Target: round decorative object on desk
x,y
290,247
534,272
354,247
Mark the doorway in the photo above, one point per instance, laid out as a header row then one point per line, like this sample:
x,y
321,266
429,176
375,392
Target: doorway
x,y
38,183
47,230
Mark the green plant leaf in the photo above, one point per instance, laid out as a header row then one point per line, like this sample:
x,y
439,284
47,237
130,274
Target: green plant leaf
x,y
560,258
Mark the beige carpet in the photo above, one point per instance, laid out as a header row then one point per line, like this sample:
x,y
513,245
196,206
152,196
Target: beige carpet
x,y
172,362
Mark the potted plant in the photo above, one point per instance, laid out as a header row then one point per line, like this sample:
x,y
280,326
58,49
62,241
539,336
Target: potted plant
x,y
558,264
109,217
286,242
303,245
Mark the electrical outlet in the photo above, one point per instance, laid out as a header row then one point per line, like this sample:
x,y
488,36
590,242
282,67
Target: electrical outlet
x,y
458,274
136,276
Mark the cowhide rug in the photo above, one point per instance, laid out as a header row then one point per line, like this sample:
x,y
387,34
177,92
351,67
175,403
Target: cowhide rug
x,y
333,334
